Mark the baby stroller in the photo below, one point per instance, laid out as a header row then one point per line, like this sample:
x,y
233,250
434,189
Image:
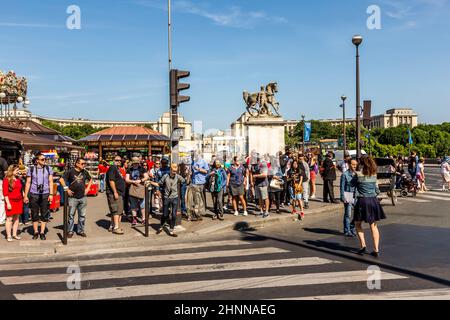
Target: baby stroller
x,y
408,186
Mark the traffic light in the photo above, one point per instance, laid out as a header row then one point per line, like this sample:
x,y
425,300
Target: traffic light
x,y
176,87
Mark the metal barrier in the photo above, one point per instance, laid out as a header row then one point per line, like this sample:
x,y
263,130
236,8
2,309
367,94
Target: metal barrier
x,y
65,218
148,207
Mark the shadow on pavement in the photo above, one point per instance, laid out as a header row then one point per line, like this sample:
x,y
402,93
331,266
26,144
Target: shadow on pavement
x,y
323,231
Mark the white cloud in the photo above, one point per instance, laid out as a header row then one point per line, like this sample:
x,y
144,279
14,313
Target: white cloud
x,y
233,17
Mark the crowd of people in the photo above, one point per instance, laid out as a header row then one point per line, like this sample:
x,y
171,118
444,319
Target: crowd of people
x,y
266,184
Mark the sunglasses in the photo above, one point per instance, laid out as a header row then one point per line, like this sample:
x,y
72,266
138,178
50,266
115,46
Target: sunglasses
x,y
117,160
41,159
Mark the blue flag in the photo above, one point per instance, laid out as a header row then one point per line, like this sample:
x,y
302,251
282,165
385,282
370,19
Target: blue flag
x,y
307,132
410,137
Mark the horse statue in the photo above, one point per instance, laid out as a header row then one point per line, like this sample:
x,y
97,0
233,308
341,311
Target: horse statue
x,y
260,102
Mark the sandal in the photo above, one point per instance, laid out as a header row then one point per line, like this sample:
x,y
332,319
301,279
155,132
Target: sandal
x,y
17,238
9,239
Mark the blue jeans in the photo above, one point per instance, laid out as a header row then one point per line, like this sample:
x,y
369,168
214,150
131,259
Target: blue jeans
x,y
25,217
183,198
173,214
349,227
102,179
79,205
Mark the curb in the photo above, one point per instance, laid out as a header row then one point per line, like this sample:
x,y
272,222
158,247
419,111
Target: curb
x,y
38,249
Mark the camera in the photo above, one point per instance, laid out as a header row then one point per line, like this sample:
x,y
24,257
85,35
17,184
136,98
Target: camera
x,y
40,188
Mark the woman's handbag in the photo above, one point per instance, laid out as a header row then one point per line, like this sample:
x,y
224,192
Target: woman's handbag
x,y
276,185
137,191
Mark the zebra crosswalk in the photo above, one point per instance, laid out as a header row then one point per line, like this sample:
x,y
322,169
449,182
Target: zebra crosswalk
x,y
234,269
428,197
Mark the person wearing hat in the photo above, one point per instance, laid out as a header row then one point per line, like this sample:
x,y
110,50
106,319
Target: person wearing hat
x,y
136,178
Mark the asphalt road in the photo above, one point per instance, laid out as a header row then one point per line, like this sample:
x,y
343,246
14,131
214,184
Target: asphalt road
x,y
297,260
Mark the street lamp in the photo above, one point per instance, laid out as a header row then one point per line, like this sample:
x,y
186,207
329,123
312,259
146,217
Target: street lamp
x,y
343,98
357,40
303,124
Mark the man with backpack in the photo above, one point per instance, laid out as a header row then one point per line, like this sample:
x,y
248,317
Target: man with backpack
x,y
39,187
217,187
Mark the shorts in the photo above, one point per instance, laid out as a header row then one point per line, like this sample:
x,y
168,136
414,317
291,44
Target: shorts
x,y
115,206
237,190
39,207
136,203
262,193
297,197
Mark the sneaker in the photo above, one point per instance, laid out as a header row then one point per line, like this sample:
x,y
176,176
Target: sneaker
x,y
266,215
236,213
9,239
70,235
134,222
172,234
313,196
111,228
306,205
117,231
42,236
245,213
302,215
35,236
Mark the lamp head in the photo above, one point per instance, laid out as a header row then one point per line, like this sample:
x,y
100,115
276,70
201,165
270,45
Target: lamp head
x,y
343,98
357,40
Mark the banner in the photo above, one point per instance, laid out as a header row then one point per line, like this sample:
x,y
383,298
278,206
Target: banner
x,y
307,132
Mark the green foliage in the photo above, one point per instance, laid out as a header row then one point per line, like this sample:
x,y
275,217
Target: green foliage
x,y
428,140
75,132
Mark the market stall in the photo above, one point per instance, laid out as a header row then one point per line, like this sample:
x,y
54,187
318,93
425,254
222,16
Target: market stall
x,y
126,142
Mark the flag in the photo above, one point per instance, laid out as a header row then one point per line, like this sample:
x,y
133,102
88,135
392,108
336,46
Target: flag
x,y
307,132
410,136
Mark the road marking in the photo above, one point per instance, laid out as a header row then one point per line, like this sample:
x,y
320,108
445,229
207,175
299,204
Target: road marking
x,y
415,200
164,247
437,193
206,286
433,294
186,269
143,259
424,195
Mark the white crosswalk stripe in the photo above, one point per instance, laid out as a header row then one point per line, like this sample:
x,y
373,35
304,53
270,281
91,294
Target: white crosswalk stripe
x,y
207,286
119,277
186,269
143,259
415,200
431,294
428,197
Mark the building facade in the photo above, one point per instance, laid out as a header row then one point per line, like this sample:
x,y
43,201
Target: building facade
x,y
162,125
394,118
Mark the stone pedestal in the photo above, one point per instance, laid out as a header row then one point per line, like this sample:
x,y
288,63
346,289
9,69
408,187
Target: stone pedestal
x,y
265,135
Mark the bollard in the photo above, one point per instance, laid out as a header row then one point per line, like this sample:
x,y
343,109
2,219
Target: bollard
x,y
148,207
65,218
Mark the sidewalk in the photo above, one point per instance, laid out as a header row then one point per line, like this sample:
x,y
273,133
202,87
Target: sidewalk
x,y
97,223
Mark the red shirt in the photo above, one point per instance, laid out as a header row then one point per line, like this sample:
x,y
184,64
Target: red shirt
x,y
123,172
102,169
16,193
150,164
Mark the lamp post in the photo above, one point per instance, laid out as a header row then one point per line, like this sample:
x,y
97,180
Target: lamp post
x,y
343,98
357,40
303,124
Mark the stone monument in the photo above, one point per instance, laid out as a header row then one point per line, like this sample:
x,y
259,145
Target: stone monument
x,y
262,128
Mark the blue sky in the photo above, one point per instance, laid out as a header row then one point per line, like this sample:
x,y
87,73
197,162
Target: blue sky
x,y
115,67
